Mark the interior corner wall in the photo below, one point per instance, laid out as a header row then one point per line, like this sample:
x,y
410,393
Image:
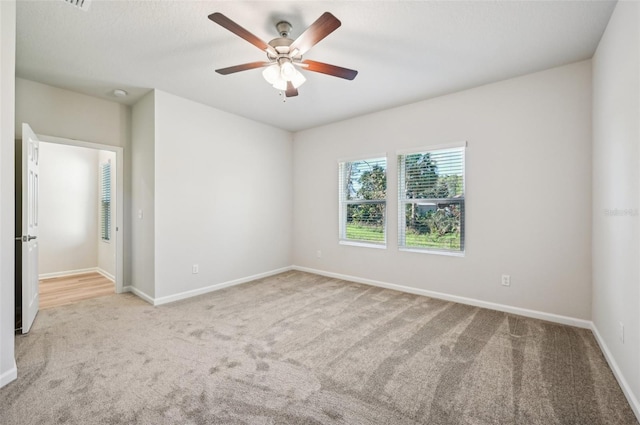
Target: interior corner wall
x,y
62,113
616,194
528,192
68,209
223,196
8,371
143,195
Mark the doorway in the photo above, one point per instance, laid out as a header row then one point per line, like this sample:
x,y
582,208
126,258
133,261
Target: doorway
x,y
76,216
81,214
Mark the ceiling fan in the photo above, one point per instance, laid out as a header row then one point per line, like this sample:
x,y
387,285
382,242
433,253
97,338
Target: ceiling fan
x,y
285,55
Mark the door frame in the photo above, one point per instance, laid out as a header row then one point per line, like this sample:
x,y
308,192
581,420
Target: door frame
x,y
119,151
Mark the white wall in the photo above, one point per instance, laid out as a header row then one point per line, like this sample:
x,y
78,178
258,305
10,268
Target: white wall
x,y
616,192
143,192
223,196
107,249
528,192
8,369
62,113
68,208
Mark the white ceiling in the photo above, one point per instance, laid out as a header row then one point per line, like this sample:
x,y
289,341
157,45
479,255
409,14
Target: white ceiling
x,y
405,51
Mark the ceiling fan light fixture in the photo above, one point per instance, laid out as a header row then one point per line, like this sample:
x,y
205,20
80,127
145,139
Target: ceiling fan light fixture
x,y
275,75
272,74
298,79
280,85
287,70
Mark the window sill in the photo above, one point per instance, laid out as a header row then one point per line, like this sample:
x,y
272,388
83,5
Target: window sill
x,y
433,251
363,244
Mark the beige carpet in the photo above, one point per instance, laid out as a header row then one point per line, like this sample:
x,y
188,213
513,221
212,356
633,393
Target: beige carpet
x,y
298,348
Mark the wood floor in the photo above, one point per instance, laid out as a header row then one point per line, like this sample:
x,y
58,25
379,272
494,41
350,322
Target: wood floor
x,y
64,290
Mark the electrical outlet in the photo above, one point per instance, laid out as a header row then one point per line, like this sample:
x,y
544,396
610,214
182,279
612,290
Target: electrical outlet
x,y
319,254
140,214
195,269
622,332
506,280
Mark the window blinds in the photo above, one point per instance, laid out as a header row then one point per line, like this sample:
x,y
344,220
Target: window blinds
x,y
362,196
431,199
105,201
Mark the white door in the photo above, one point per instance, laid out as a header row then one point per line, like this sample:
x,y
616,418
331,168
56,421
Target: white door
x,y
30,158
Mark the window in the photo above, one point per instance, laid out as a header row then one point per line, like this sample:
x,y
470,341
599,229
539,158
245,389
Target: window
x,y
431,199
363,193
105,201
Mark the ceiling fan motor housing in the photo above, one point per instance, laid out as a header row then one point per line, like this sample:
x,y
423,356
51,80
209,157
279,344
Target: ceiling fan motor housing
x,y
281,45
284,28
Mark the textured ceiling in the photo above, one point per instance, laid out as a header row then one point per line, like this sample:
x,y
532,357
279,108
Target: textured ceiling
x,y
405,51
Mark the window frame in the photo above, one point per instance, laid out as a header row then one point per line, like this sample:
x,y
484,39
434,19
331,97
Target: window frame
x,y
343,203
403,200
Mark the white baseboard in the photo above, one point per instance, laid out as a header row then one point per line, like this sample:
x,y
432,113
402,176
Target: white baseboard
x,y
631,398
138,293
106,274
550,317
67,273
195,292
216,287
9,375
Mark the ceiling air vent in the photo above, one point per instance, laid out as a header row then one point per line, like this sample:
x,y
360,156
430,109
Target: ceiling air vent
x,y
80,4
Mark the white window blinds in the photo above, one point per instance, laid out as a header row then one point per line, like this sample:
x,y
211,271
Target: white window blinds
x,y
431,199
105,201
362,199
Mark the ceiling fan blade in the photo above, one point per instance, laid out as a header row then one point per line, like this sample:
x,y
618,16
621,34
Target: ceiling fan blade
x,y
325,68
291,91
322,27
243,67
227,23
